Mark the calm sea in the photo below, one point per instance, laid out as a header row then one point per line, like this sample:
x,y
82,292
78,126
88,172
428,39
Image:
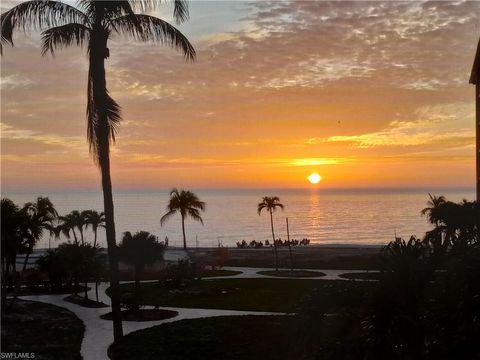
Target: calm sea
x,y
351,216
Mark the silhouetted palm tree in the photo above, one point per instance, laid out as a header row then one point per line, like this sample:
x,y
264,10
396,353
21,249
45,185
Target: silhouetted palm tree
x,y
12,220
93,23
187,204
40,215
67,226
432,210
95,220
70,222
139,250
271,203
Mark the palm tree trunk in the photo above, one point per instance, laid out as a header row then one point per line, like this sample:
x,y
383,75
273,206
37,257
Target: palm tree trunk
x,y
289,247
95,239
74,235
96,289
138,274
86,291
81,236
183,231
477,127
25,262
5,274
274,244
112,246
98,51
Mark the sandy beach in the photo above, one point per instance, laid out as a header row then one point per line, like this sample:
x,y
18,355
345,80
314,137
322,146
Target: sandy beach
x,y
354,257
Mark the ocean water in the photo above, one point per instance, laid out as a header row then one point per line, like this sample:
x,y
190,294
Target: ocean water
x,y
362,216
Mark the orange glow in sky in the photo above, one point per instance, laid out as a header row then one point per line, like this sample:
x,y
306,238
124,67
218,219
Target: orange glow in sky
x,y
366,94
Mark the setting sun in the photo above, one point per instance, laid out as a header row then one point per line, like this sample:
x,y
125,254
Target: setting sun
x,y
314,178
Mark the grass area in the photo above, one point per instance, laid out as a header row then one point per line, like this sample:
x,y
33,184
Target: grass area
x,y
219,272
143,315
276,295
49,331
225,337
362,276
294,273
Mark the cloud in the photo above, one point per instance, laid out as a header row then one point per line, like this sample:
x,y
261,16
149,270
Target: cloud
x,y
432,127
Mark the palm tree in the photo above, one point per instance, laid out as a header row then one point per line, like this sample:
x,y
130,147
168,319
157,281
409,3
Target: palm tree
x,y
432,210
270,204
139,250
93,23
40,215
74,220
12,220
95,220
67,225
188,204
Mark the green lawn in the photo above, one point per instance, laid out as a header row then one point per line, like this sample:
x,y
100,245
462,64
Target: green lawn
x,y
225,338
276,295
49,331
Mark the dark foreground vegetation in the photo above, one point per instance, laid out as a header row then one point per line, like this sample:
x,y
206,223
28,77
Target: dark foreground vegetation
x,y
49,331
225,337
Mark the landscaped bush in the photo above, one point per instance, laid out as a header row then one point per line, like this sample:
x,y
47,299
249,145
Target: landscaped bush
x,y
180,274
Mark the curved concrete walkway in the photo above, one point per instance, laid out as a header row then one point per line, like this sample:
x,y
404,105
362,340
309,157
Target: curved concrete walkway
x,y
99,333
252,273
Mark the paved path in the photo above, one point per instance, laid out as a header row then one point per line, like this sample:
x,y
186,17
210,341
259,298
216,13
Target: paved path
x,y
249,273
99,332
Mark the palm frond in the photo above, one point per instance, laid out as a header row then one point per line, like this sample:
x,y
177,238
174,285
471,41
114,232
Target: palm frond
x,y
195,215
167,216
64,36
180,10
148,28
108,10
38,15
261,206
100,105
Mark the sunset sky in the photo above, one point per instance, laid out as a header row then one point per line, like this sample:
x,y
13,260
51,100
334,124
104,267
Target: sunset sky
x,y
366,94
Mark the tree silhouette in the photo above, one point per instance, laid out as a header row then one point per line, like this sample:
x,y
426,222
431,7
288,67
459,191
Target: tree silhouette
x,y
93,23
73,220
95,220
432,211
139,250
270,204
12,220
187,204
40,216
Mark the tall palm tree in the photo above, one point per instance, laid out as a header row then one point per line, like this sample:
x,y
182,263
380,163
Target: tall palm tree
x,y
95,220
271,204
187,204
92,23
40,215
139,250
67,226
73,220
